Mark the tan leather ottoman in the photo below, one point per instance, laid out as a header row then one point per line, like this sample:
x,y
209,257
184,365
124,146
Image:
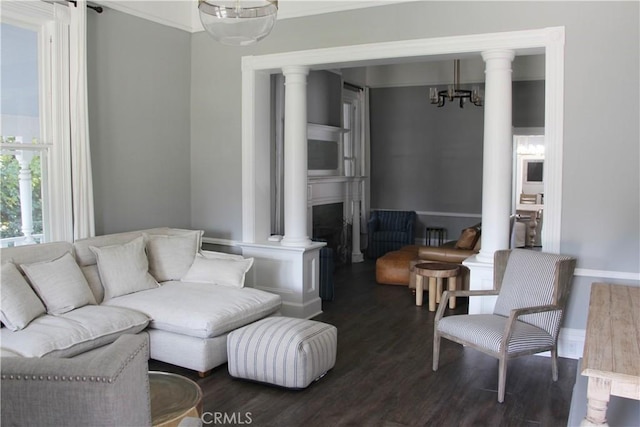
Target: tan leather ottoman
x,y
393,267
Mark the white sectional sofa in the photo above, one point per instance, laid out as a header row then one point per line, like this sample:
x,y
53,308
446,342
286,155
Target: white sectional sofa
x,y
63,300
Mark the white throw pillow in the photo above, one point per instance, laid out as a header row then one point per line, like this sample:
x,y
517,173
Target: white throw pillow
x,y
219,271
170,256
124,269
19,304
60,284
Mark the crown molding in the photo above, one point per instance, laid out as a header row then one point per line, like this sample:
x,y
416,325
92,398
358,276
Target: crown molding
x,y
183,14
171,13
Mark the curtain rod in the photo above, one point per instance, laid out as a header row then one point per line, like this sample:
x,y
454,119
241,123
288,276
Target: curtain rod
x,y
96,8
352,86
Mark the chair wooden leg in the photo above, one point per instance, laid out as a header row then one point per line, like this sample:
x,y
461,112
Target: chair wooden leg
x,y
502,378
554,363
436,349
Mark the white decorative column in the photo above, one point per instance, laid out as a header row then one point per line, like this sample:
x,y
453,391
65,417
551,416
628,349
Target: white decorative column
x,y
26,203
295,157
497,153
291,267
496,174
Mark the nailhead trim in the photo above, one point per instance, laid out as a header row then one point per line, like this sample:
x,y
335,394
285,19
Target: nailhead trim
x,y
109,380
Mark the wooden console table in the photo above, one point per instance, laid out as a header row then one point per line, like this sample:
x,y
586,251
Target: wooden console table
x,y
611,357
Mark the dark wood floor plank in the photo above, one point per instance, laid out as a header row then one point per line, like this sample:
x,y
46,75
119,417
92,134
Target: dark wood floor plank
x,y
383,374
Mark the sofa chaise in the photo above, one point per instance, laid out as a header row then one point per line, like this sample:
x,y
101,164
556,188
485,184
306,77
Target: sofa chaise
x,y
395,268
62,300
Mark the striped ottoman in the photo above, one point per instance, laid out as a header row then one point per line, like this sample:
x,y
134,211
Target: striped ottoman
x,y
282,351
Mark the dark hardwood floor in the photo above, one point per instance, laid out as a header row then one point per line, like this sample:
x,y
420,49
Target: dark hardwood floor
x,y
383,375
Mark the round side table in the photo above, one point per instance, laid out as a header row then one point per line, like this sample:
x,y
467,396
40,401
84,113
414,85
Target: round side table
x,y
435,271
173,398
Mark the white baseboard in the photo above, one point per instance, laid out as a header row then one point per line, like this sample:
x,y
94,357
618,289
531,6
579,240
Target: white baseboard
x,y
570,343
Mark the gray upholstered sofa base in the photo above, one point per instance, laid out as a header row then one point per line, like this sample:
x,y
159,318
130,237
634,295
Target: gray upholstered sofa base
x,y
106,387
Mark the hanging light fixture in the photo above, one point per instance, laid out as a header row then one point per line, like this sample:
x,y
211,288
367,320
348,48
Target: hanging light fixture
x,y
238,22
454,92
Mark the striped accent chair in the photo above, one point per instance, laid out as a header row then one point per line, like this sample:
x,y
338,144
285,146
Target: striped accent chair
x,y
532,289
389,231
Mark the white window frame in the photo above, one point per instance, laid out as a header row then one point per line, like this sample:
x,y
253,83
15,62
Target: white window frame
x,y
329,134
51,22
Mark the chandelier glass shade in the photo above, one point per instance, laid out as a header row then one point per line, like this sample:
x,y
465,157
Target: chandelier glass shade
x,y
238,22
454,92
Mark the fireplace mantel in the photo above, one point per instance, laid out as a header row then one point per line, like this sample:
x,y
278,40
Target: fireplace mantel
x,y
338,189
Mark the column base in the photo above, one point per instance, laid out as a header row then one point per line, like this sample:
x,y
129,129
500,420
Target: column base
x,y
481,278
291,272
298,242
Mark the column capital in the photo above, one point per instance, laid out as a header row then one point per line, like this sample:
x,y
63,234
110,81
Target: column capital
x,y
492,54
295,69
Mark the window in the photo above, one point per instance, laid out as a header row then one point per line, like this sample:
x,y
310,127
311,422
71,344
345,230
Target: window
x,y
324,153
22,154
34,143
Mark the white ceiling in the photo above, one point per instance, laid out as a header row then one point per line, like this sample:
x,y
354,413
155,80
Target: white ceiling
x,y
183,14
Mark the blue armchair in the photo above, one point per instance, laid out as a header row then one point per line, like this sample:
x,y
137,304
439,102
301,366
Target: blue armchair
x,y
389,231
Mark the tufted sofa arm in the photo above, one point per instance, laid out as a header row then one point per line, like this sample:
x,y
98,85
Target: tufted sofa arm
x,y
111,388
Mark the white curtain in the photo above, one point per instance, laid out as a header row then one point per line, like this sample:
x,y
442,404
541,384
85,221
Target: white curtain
x,y
81,181
366,158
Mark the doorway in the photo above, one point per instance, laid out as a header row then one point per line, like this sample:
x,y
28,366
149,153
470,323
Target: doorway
x,y
528,188
256,106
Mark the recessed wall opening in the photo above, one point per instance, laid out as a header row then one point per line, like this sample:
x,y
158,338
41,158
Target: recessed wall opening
x,y
329,225
256,106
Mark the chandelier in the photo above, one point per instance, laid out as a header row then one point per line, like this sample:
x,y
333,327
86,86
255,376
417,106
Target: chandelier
x,y
454,92
238,22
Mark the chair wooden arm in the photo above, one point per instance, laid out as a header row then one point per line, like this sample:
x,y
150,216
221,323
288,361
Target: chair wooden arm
x,y
460,293
517,312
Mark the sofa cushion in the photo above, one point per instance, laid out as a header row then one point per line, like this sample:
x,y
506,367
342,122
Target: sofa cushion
x,y
218,271
60,284
28,254
468,238
19,304
74,332
82,247
170,256
200,309
124,269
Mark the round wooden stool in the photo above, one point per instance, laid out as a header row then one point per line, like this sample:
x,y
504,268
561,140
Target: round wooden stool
x,y
435,271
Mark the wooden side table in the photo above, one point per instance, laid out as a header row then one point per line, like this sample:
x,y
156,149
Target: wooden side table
x,y
435,271
173,398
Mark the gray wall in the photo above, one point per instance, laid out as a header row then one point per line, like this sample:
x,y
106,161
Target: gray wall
x,y
426,158
139,84
601,184
528,104
324,98
152,89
